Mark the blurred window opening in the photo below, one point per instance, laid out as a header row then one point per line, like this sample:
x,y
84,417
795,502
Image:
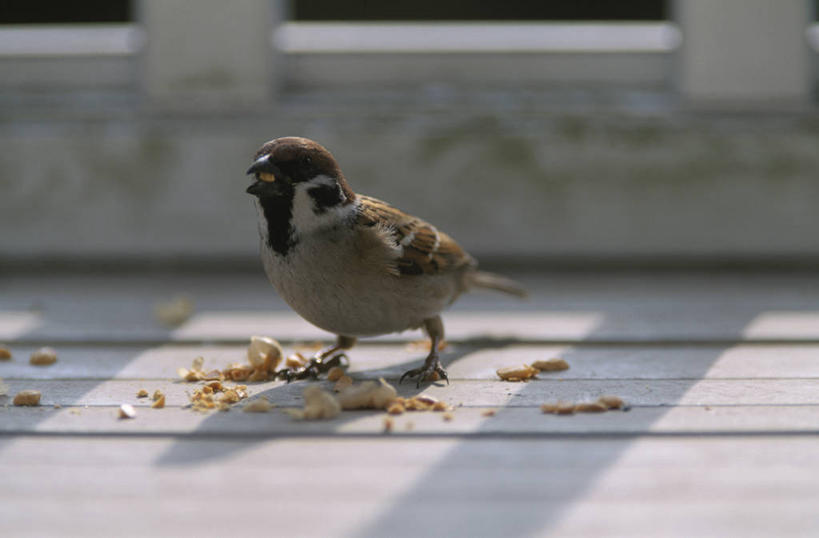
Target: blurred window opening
x,y
457,10
62,12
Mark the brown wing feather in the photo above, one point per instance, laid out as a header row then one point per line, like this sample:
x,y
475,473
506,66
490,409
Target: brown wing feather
x,y
422,249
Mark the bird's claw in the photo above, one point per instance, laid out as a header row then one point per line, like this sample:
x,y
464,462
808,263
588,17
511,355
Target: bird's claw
x,y
317,365
431,367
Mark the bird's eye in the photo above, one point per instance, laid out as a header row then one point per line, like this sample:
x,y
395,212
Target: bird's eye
x,y
307,159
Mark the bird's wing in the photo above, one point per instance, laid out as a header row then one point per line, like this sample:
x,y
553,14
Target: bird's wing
x,y
420,249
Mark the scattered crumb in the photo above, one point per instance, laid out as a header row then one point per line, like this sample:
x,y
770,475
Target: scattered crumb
x,y
318,404
27,398
396,408
174,312
296,360
127,411
388,424
488,413
448,417
43,357
159,403
517,373
590,407
57,406
410,425
264,355
551,365
157,395
205,399
238,372
440,406
5,353
368,395
343,382
142,393
559,408
611,402
74,411
335,373
259,405
425,399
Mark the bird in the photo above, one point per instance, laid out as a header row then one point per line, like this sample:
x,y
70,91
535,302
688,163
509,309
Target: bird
x,y
353,265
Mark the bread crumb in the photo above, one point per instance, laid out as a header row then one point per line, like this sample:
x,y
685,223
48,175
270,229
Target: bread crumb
x,y
127,411
343,382
396,408
335,373
259,405
57,406
174,312
551,365
488,413
27,398
559,408
611,402
159,403
517,373
296,360
319,404
157,395
448,417
195,373
425,399
440,406
5,353
409,425
590,407
142,393
368,395
388,424
264,355
43,357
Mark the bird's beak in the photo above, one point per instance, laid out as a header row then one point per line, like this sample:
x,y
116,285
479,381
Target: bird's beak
x,y
265,172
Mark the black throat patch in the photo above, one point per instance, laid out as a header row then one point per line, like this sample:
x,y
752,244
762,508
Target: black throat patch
x,y
278,212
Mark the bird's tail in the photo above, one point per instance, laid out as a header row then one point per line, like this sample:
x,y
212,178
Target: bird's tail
x,y
482,279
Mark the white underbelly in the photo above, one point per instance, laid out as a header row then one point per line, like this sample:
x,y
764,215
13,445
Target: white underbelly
x,y
316,281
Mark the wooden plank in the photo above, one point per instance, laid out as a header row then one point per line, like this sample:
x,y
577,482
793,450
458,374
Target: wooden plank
x,y
545,326
465,421
374,487
563,307
661,392
462,361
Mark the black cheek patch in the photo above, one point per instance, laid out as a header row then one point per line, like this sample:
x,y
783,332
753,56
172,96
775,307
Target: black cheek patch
x,y
325,196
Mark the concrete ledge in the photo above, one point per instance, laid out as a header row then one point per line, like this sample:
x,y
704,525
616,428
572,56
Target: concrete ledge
x,y
505,176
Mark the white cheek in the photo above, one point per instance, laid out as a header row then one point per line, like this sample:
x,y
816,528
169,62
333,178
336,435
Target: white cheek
x,y
305,219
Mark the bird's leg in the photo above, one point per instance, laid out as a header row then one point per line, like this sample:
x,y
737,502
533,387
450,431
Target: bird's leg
x,y
322,361
434,327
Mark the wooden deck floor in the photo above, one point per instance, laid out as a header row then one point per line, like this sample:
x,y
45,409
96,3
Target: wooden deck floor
x,y
722,439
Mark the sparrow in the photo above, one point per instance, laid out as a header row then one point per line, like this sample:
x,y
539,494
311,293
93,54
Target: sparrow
x,y
350,264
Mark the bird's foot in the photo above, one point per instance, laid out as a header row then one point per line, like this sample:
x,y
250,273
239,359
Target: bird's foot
x,y
318,364
430,371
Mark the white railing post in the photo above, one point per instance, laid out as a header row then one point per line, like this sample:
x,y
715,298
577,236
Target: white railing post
x,y
208,52
744,51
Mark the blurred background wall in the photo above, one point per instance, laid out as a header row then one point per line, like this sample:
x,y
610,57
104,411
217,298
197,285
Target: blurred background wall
x,y
586,133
